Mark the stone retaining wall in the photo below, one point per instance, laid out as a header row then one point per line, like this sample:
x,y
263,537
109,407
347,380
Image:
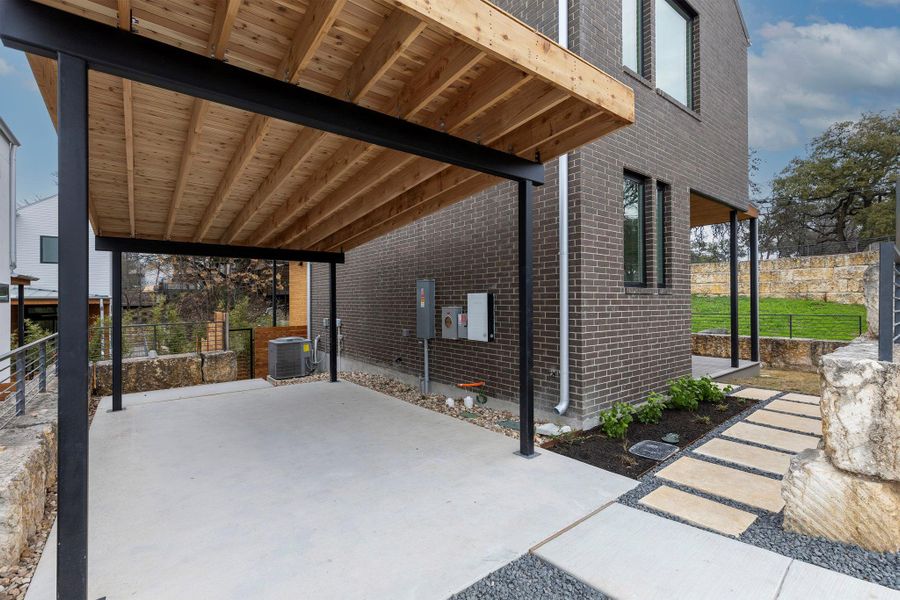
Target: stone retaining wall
x,y
832,278
799,354
169,371
27,470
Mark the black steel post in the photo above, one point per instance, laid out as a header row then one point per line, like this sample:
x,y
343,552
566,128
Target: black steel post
x,y
754,289
733,258
20,382
526,325
72,516
20,308
886,294
274,293
116,341
332,322
42,365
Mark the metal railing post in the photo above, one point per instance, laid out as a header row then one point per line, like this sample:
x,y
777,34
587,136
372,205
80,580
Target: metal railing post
x,y
886,301
790,325
20,382
156,338
42,378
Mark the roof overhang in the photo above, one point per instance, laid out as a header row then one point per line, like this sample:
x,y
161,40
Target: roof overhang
x,y
275,125
709,211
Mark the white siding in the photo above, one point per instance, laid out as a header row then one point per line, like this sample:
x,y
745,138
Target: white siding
x,y
41,219
5,149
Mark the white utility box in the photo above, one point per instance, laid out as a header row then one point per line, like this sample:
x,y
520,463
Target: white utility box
x,y
481,317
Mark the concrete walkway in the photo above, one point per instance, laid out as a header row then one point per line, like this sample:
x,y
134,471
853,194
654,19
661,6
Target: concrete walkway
x,y
316,490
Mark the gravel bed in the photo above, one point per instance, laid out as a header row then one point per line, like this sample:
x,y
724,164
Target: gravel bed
x,y
766,532
529,577
488,418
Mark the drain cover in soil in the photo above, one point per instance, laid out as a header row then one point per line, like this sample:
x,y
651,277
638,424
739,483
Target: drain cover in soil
x,y
653,450
509,424
671,438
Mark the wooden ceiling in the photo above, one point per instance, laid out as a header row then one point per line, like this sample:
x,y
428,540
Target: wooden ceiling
x,y
706,211
168,166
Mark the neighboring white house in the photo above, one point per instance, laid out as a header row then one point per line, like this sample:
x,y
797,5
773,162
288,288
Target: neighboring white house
x,y
8,145
37,254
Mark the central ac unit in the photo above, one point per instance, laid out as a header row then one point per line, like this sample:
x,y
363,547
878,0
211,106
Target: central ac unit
x,y
289,357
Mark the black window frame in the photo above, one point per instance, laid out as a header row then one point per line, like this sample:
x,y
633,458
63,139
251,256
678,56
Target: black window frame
x,y
690,17
639,38
43,260
662,191
642,230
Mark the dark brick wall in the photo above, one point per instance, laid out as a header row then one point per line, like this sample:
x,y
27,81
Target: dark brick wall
x,y
624,342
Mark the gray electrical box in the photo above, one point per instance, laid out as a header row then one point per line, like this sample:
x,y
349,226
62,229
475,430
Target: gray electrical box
x,y
450,322
425,309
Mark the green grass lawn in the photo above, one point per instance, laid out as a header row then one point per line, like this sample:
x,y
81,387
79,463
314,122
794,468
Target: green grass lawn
x,y
808,318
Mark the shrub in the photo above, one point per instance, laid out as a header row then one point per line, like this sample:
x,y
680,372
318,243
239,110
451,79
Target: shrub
x,y
651,411
683,394
615,421
708,391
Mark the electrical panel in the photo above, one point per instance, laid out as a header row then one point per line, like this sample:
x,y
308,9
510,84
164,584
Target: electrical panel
x,y
425,309
481,317
450,322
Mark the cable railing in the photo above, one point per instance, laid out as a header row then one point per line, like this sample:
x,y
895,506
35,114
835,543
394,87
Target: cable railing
x,y
24,373
147,339
786,325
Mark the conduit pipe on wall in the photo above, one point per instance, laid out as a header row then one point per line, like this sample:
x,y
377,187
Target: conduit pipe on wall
x,y
563,406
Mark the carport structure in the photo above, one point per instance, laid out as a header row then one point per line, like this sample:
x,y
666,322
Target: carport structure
x,y
285,131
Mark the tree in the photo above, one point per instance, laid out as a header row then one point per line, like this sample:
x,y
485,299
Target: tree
x,y
843,190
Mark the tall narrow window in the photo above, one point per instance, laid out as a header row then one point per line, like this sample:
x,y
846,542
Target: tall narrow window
x,y
633,239
631,35
674,51
661,235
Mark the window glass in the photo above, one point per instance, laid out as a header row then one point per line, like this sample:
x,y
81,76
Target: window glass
x,y
634,230
631,34
672,59
661,235
49,249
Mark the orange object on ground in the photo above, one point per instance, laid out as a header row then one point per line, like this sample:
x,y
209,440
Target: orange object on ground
x,y
473,384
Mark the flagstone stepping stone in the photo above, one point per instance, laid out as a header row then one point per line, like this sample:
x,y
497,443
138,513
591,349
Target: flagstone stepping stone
x,y
783,440
802,398
699,511
725,482
770,461
797,408
754,394
775,419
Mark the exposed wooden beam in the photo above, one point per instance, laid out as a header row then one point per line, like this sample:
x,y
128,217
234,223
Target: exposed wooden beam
x,y
390,41
492,86
312,29
503,36
218,41
128,113
123,16
568,127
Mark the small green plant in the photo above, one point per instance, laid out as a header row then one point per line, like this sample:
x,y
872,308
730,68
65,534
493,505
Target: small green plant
x,y
703,419
721,407
683,394
708,391
652,409
615,421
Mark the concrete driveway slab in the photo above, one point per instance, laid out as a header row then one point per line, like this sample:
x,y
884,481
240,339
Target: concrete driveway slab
x,y
316,490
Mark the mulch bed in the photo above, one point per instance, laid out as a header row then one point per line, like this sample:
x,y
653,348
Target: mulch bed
x,y
594,448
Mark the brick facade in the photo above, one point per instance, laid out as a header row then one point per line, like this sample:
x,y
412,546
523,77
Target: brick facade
x,y
624,342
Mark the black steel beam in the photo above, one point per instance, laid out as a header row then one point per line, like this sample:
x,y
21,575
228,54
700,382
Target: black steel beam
x,y
116,340
733,263
754,289
20,309
39,29
332,322
274,293
526,324
111,244
72,516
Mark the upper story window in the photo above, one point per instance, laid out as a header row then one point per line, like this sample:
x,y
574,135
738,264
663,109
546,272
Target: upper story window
x,y
49,249
633,238
673,38
632,34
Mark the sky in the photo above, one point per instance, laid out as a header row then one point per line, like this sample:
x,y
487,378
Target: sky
x,y
811,63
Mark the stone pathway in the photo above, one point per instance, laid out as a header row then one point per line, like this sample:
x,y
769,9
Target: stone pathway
x,y
750,461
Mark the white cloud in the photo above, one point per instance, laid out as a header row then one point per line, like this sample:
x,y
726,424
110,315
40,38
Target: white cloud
x,y
5,68
805,77
881,2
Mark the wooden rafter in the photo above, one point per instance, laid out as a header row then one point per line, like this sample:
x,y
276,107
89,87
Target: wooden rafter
x,y
492,86
223,25
123,21
388,44
313,27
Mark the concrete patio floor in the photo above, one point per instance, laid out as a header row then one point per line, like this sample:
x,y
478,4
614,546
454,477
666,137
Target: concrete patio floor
x,y
317,490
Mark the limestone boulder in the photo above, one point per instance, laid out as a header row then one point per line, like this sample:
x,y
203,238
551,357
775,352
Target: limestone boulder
x,y
870,295
146,374
823,501
861,411
219,366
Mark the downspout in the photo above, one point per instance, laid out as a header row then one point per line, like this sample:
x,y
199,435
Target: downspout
x,y
563,406
12,207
